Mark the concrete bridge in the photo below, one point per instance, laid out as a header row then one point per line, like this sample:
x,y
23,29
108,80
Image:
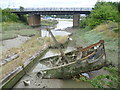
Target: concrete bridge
x,y
34,17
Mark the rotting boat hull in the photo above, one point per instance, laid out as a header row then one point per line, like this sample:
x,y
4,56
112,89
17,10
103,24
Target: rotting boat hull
x,y
91,62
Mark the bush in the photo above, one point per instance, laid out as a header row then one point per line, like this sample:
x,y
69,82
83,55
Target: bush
x,y
6,16
116,30
103,11
83,22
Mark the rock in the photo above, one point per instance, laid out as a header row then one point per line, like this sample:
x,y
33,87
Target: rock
x,y
86,75
70,39
40,74
26,82
44,86
38,84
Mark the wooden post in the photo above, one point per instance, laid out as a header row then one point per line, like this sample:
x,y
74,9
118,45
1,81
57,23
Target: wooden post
x,y
58,45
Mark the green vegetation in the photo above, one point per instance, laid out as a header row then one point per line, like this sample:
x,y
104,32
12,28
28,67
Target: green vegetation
x,y
30,47
8,16
106,81
14,33
102,12
12,26
101,32
102,24
8,26
102,81
8,35
11,17
12,29
27,32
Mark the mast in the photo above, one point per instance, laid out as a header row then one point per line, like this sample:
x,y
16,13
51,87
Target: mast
x,y
58,45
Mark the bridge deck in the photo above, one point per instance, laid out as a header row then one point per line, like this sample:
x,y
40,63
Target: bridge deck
x,y
52,10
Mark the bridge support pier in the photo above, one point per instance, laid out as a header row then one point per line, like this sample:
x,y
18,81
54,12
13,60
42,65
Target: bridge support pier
x,y
76,20
34,20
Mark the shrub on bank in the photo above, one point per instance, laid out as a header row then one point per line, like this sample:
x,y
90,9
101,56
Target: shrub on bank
x,y
8,16
102,12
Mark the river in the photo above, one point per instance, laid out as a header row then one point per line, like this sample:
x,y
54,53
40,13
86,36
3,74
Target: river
x,y
52,83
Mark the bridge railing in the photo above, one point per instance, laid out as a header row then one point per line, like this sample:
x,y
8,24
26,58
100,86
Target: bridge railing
x,y
54,9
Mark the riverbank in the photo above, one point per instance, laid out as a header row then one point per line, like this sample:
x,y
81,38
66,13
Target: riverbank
x,y
25,47
101,32
82,37
11,30
78,41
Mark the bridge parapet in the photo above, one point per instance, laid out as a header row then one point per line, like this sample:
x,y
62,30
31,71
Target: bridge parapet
x,y
34,13
54,9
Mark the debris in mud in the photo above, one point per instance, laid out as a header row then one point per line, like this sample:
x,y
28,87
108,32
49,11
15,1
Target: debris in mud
x,y
38,84
40,74
26,82
57,61
9,58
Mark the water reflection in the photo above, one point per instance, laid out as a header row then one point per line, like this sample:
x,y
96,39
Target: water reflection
x,y
52,83
64,23
45,33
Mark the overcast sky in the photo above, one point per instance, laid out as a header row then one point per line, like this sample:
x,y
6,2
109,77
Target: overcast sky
x,y
48,3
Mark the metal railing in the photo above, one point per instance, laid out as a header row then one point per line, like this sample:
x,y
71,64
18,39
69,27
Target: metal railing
x,y
53,9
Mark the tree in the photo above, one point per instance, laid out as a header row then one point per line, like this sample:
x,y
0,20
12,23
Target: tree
x,y
102,12
21,8
6,16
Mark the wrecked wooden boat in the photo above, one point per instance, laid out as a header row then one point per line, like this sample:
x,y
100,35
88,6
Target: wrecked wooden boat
x,y
80,60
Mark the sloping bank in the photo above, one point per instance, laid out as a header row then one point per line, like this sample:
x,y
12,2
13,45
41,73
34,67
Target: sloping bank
x,y
10,80
104,32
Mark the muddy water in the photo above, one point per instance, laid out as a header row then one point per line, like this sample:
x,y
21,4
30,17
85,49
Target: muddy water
x,y
63,23
36,82
45,33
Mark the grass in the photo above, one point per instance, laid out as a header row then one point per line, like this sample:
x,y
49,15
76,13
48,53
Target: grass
x,y
10,30
102,32
27,50
8,35
6,26
60,39
27,32
14,33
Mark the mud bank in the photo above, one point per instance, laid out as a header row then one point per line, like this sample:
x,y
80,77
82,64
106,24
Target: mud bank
x,y
11,43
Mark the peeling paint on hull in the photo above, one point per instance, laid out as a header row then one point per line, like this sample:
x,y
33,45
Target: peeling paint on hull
x,y
92,62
